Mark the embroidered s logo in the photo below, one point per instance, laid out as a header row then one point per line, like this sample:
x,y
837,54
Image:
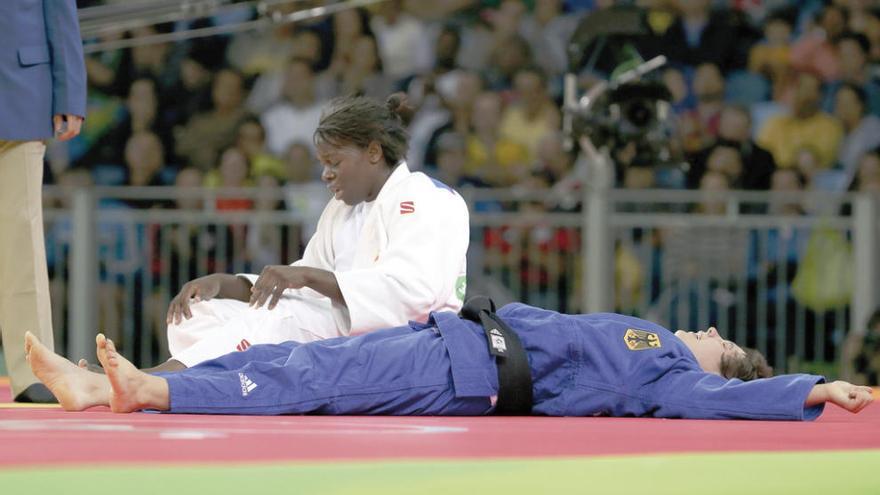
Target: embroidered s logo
x,y
639,340
407,207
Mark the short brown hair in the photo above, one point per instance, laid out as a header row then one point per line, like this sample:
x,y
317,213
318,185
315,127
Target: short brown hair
x,y
746,367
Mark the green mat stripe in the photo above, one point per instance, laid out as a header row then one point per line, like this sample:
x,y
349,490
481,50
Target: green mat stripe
x,y
849,472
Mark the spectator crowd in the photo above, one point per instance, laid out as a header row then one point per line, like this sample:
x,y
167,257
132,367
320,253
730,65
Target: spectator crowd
x,y
757,88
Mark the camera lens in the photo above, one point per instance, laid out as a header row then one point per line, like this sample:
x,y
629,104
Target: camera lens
x,y
639,113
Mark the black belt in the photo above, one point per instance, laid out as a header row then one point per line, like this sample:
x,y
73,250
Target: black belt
x,y
514,375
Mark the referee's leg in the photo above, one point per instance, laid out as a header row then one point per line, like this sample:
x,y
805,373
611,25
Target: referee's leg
x,y
24,280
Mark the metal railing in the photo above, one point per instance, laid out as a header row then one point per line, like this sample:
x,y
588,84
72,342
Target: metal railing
x,y
117,19
115,267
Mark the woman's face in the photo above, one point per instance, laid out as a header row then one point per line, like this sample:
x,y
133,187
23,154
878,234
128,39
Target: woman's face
x,y
708,347
353,174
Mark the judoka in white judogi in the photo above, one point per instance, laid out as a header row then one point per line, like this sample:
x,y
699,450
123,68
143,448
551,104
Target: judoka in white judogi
x,y
395,259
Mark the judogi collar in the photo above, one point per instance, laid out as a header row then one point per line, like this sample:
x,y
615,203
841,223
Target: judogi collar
x,y
401,172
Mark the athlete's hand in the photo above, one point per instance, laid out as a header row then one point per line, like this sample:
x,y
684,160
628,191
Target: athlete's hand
x,y
273,281
200,289
851,397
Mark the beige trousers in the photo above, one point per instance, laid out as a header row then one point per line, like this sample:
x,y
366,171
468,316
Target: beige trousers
x,y
24,279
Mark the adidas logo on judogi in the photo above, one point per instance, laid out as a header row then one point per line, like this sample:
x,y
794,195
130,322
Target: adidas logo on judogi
x,y
247,386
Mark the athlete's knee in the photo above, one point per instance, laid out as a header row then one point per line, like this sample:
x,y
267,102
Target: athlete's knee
x,y
189,331
180,337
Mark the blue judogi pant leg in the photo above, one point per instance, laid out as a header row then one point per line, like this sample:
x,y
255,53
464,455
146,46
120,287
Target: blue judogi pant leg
x,y
398,371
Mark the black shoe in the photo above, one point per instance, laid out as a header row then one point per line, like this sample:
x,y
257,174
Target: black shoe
x,y
36,394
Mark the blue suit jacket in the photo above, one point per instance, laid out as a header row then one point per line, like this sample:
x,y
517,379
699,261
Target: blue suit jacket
x,y
42,72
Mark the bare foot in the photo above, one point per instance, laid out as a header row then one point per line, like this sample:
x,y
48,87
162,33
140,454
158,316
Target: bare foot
x,y
76,389
131,389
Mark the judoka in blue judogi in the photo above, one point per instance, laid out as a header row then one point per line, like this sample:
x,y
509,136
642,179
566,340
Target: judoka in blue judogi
x,y
581,365
600,364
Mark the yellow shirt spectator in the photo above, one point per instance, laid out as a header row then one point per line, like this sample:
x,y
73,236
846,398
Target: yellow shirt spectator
x,y
784,135
770,60
266,164
500,166
518,127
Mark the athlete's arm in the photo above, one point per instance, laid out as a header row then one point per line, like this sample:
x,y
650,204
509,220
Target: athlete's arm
x,y
219,285
276,278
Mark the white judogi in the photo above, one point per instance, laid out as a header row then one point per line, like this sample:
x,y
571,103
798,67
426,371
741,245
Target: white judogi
x,y
396,259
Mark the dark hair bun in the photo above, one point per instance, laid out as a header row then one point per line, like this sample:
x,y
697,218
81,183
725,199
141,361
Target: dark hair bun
x,y
398,104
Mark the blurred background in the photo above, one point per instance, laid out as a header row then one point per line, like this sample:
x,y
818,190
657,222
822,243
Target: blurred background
x,y
734,185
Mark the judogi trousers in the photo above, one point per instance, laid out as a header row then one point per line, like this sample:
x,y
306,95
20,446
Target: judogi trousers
x,y
24,279
398,371
221,326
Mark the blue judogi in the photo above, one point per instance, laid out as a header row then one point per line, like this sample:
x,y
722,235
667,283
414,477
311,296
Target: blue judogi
x,y
582,365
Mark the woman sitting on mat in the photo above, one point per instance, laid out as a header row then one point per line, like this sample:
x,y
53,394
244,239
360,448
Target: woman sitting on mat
x,y
600,364
390,247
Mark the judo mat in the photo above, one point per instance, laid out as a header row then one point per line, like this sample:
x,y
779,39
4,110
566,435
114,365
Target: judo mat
x,y
46,450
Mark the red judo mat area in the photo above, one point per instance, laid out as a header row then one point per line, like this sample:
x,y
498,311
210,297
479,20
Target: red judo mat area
x,y
50,436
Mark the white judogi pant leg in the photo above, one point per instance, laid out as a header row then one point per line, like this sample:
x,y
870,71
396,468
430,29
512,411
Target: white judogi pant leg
x,y
207,317
221,326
